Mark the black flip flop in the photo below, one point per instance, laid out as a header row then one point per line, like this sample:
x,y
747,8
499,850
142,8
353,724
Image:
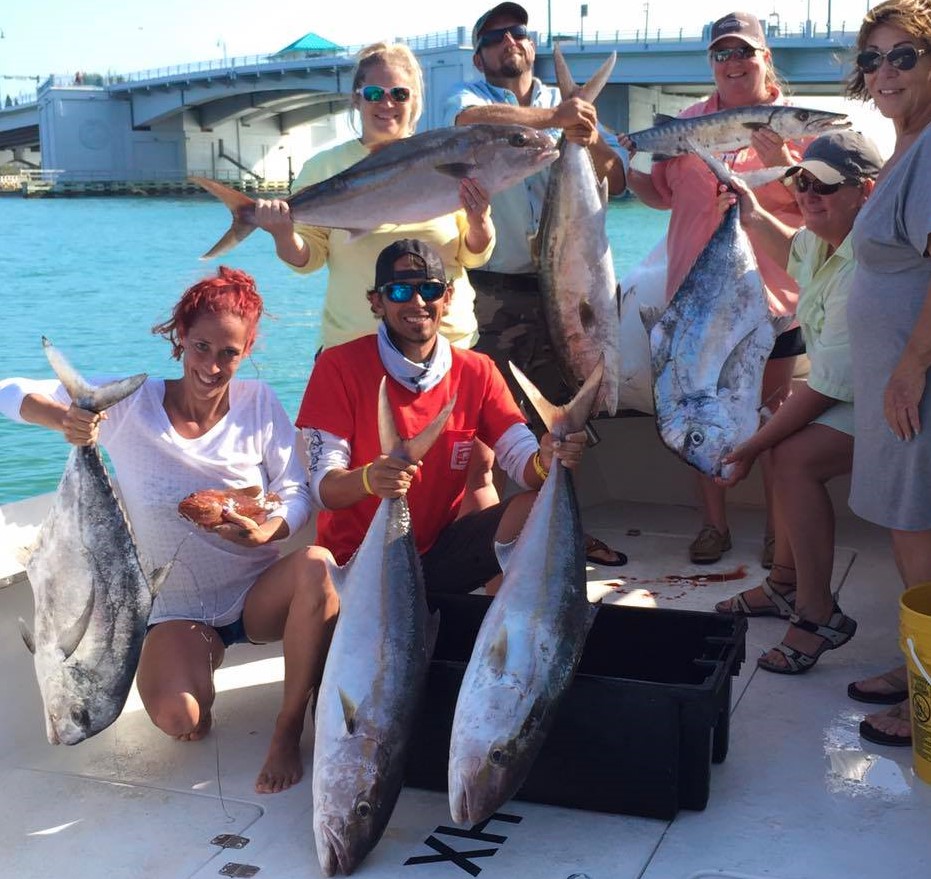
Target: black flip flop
x,y
891,698
593,544
878,737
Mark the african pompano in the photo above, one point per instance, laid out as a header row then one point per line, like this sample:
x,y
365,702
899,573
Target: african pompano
x,y
580,294
92,598
374,675
531,639
407,181
207,506
730,130
709,347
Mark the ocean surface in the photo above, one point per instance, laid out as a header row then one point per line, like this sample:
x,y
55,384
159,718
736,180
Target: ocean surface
x,y
95,274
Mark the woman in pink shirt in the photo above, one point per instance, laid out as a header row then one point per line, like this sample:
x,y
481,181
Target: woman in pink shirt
x,y
744,76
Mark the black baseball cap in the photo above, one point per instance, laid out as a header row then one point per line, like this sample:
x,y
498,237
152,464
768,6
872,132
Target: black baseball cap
x,y
512,9
429,266
839,156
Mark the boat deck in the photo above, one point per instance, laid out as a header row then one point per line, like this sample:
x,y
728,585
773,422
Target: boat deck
x,y
799,795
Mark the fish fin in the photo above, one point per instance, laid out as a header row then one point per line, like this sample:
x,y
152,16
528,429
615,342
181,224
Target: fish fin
x,y
754,126
349,711
414,448
498,651
82,392
24,553
458,170
718,168
236,202
563,420
621,298
432,632
158,577
253,491
356,234
661,157
69,640
586,315
649,315
763,176
28,638
662,118
567,85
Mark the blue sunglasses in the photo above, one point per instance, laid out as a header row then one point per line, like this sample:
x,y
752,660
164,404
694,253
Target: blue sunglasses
x,y
403,291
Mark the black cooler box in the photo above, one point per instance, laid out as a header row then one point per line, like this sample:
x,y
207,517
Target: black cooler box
x,y
646,715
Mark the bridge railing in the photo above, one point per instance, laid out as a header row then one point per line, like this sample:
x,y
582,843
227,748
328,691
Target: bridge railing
x,y
459,37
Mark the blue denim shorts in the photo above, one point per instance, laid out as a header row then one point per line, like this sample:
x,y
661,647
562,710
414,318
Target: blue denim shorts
x,y
232,633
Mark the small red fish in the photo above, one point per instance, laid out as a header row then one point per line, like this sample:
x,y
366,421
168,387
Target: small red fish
x,y
206,507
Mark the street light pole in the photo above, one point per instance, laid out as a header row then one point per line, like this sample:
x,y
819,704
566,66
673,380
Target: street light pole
x,y
646,22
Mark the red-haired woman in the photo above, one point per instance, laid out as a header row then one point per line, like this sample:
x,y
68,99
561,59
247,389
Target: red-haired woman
x,y
173,437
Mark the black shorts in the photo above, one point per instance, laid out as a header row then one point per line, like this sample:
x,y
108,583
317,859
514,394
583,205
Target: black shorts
x,y
463,556
791,343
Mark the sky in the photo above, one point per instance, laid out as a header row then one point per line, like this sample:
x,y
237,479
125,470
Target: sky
x,y
62,36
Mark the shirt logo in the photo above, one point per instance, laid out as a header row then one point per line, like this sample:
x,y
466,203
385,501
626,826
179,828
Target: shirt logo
x,y
462,454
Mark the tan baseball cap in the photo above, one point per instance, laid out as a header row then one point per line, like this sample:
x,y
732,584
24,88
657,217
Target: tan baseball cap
x,y
742,25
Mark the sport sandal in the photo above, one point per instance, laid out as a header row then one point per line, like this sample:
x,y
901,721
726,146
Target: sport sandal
x,y
836,632
781,604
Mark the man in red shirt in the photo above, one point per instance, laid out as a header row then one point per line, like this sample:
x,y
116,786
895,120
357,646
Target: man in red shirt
x,y
349,473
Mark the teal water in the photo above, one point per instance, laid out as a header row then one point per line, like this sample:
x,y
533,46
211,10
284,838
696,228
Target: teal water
x,y
95,274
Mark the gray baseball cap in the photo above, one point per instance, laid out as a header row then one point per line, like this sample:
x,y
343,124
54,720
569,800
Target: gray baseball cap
x,y
512,9
839,156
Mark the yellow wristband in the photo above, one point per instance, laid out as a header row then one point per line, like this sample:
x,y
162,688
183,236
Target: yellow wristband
x,y
365,479
538,467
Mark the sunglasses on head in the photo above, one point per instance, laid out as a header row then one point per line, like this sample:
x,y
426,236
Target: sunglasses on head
x,y
375,93
803,183
493,37
403,291
901,58
742,53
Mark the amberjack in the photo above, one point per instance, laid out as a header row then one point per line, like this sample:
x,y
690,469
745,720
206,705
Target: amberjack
x,y
531,639
407,181
375,672
581,299
92,597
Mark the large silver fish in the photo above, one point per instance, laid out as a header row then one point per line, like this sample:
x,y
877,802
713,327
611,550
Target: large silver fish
x,y
709,347
374,675
92,597
730,130
580,294
407,181
530,641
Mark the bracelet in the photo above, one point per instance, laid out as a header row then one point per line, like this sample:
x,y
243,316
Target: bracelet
x,y
365,479
538,467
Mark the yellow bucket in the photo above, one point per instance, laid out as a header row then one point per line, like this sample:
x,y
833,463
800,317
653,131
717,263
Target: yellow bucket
x,y
915,641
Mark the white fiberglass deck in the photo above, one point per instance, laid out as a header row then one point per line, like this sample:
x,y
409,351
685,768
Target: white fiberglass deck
x,y
799,796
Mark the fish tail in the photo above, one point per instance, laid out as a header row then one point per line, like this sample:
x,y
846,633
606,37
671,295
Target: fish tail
x,y
240,206
416,447
592,88
81,391
563,420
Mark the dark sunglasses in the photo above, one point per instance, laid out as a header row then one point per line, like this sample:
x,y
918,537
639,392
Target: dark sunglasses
x,y
803,184
374,93
901,58
403,291
493,37
742,53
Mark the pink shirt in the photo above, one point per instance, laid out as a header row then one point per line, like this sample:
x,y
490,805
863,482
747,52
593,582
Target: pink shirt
x,y
687,186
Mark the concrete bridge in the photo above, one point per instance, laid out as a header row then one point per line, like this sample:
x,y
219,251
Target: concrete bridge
x,y
259,118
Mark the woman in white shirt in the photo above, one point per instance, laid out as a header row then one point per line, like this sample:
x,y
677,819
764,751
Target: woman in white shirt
x,y
205,430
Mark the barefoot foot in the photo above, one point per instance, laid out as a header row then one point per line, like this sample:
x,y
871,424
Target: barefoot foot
x,y
283,766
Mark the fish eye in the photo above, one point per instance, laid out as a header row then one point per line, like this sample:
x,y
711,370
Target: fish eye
x,y
696,437
80,717
518,140
498,756
363,809
803,115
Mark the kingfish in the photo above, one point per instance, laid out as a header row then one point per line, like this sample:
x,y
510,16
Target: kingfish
x,y
408,181
374,675
531,639
730,130
709,347
92,596
581,299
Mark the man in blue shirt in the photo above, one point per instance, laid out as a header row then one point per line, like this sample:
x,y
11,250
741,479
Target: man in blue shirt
x,y
508,305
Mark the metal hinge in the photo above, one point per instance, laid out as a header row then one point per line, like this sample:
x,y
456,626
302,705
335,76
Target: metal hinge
x,y
242,871
230,840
